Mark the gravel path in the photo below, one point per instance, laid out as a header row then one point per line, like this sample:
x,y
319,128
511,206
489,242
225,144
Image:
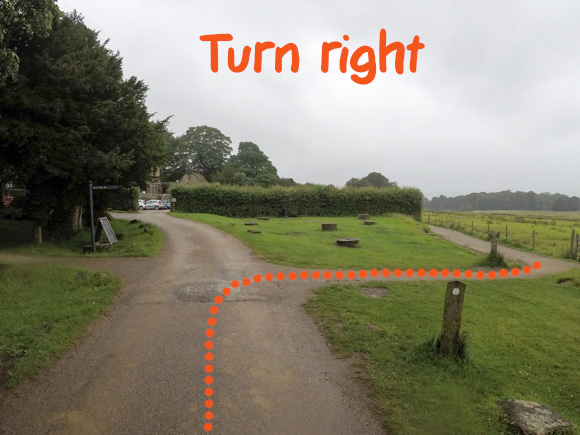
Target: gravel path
x,y
549,265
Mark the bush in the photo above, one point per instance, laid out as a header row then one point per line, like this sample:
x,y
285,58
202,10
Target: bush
x,y
125,198
494,259
243,201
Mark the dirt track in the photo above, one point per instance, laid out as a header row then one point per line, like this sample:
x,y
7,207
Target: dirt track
x,y
140,369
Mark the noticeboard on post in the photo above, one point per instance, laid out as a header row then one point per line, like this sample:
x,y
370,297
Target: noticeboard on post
x,y
108,230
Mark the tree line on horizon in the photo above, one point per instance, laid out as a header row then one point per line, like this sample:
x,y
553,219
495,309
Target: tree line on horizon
x,y
505,200
207,151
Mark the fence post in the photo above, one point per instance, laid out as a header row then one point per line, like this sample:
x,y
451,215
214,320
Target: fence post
x,y
452,310
572,244
533,239
506,232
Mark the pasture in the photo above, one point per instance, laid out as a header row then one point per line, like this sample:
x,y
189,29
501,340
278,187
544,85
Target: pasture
x,y
545,233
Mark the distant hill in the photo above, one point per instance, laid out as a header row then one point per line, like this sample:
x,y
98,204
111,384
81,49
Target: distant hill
x,y
506,200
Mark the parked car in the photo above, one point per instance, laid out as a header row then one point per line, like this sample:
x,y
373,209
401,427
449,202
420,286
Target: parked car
x,y
154,204
141,204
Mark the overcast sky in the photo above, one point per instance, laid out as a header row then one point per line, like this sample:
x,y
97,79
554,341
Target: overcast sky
x,y
494,103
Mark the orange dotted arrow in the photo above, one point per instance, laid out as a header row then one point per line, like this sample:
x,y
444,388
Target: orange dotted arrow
x,y
292,276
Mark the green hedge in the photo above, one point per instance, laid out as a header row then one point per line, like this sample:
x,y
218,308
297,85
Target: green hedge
x,y
124,198
243,201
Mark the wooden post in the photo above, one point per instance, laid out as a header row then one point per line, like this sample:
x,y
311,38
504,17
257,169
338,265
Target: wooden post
x,y
472,226
576,249
452,310
506,232
533,239
38,234
572,244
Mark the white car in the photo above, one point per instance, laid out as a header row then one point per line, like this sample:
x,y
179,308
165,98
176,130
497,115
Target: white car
x,y
154,204
141,204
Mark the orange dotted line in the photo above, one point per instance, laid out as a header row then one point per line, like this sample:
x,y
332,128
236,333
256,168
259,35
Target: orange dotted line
x,y
326,275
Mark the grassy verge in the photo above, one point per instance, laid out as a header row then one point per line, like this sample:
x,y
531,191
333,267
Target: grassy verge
x,y
44,309
138,240
544,234
394,242
524,343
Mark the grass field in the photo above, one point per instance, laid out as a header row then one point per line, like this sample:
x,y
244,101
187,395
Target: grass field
x,y
524,342
43,311
394,242
552,231
17,238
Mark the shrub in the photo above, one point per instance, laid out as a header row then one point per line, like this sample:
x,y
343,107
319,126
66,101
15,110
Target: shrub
x,y
125,198
244,201
494,259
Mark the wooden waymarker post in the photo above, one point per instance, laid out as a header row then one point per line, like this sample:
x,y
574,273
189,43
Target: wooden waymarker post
x,y
572,245
494,246
452,310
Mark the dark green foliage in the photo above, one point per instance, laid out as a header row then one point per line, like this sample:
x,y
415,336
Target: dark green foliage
x,y
254,166
126,198
70,117
494,259
20,21
287,182
374,179
202,149
243,201
506,200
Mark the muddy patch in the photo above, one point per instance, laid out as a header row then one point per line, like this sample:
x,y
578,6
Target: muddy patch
x,y
197,292
374,292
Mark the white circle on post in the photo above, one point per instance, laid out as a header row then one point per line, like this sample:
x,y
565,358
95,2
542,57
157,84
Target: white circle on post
x,y
455,291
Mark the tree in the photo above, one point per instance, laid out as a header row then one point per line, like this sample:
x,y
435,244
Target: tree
x,y
374,179
20,21
357,183
177,159
287,182
226,174
257,167
205,148
69,117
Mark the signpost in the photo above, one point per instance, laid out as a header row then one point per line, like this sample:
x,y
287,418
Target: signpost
x,y
91,188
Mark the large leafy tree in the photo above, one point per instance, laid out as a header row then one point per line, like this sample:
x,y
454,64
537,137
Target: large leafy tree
x,y
69,117
20,21
203,149
255,166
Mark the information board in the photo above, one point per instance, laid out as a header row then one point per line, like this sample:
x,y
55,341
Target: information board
x,y
108,230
